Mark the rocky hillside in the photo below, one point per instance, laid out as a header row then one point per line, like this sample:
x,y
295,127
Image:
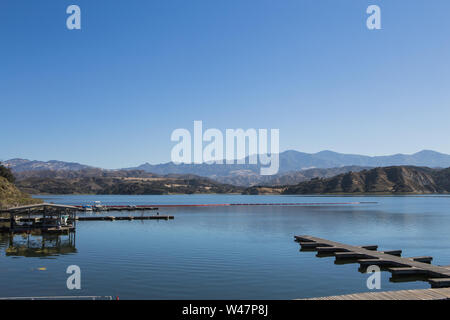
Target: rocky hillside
x,y
10,196
402,179
237,178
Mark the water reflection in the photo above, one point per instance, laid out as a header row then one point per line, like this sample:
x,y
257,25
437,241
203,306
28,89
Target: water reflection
x,y
232,252
37,245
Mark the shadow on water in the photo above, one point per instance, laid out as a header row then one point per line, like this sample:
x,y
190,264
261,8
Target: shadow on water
x,y
37,245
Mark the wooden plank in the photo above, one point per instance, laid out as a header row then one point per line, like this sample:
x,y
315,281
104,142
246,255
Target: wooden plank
x,y
397,253
439,282
378,262
407,271
424,259
371,247
312,245
351,255
303,239
330,249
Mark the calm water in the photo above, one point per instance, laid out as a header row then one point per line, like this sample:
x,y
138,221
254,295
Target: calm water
x,y
224,252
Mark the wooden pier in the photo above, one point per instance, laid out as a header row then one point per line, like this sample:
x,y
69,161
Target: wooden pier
x,y
436,276
426,294
118,208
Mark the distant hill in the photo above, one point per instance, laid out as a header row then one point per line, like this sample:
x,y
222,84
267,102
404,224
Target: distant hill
x,y
395,179
118,182
249,178
237,178
83,173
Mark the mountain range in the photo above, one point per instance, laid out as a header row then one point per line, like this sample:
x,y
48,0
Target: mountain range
x,y
295,167
296,161
19,165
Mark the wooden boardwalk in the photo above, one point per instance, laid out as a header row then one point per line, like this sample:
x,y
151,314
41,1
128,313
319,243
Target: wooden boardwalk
x,y
426,294
101,218
437,276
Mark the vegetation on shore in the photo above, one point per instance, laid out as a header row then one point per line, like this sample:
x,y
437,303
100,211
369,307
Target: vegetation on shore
x,y
10,196
118,182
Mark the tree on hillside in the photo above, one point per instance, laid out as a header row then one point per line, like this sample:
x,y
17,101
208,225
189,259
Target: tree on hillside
x,y
6,173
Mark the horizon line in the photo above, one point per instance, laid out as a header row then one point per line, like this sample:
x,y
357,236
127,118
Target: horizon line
x,y
169,162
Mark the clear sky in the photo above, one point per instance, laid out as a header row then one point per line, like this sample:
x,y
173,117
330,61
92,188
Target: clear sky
x,y
111,94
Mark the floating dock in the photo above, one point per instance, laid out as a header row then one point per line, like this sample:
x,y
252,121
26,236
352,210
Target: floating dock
x,y
129,218
400,267
119,208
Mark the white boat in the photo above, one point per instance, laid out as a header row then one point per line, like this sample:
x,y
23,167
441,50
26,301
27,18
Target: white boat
x,y
98,206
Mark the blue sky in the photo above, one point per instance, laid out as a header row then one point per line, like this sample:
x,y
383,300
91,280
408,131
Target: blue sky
x,y
111,94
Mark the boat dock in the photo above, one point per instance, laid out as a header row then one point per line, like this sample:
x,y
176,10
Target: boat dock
x,y
118,208
55,218
45,217
401,268
129,218
99,218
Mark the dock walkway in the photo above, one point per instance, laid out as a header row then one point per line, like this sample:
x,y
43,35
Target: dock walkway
x,y
437,276
112,218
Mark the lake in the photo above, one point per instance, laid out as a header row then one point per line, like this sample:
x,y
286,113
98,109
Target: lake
x,y
237,252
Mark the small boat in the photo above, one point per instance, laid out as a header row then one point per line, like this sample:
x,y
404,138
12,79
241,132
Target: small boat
x,y
98,206
87,208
